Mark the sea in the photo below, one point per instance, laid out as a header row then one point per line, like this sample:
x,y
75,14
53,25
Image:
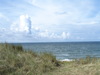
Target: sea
x,y
65,50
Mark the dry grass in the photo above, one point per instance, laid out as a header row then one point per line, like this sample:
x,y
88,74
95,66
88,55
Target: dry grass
x,y
86,66
15,61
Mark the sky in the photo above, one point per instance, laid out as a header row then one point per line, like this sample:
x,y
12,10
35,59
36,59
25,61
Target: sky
x,y
49,20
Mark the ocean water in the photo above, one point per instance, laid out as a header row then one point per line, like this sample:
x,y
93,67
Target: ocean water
x,y
66,50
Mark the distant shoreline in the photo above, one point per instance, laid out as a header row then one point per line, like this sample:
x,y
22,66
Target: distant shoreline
x,y
54,42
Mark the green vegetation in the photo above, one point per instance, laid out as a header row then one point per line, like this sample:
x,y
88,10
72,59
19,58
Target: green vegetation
x,y
86,66
14,60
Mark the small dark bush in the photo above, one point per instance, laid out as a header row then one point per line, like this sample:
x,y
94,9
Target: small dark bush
x,y
19,48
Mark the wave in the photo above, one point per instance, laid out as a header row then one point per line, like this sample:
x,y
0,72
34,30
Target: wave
x,y
67,60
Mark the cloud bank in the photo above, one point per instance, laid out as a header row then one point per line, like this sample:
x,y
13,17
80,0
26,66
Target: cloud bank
x,y
24,30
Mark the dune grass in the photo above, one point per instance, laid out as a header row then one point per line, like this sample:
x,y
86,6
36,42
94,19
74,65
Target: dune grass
x,y
14,60
86,66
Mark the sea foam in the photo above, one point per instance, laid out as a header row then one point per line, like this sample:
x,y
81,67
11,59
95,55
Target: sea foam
x,y
66,60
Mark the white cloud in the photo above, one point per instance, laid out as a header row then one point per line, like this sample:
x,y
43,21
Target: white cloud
x,y
23,25
65,35
46,34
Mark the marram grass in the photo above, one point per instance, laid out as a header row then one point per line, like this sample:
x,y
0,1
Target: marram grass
x,y
14,60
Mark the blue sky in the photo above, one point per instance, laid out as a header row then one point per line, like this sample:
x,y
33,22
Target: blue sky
x,y
49,20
